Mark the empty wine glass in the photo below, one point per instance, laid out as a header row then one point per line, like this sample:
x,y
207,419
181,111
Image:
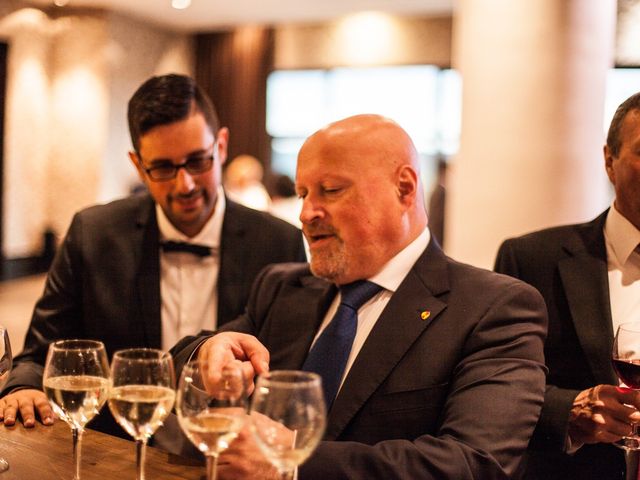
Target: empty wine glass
x,y
288,417
142,394
5,370
211,415
76,381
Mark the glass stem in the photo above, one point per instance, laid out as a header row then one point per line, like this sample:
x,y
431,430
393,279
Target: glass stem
x,y
141,450
212,467
631,459
287,475
77,453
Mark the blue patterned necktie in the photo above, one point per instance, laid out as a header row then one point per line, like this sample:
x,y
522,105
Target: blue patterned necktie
x,y
328,356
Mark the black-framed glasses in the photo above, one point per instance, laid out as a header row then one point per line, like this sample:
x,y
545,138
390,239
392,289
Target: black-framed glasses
x,y
166,170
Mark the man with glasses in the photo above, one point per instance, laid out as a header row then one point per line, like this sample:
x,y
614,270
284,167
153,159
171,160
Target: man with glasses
x,y
149,269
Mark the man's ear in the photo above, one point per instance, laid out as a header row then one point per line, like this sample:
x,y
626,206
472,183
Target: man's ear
x,y
222,140
407,184
608,164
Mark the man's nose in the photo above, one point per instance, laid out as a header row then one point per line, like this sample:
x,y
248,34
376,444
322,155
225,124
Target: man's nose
x,y
310,211
184,181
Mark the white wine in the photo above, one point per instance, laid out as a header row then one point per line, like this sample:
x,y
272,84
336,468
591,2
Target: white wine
x,y
76,398
140,409
212,432
286,459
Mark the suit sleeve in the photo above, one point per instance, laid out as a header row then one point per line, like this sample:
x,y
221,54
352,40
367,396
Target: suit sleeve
x,y
56,314
492,406
551,431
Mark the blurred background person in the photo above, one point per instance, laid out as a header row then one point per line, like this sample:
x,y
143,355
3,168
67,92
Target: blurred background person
x,y
285,204
243,183
436,208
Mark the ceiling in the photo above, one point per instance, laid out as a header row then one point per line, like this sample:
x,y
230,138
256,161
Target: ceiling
x,y
217,14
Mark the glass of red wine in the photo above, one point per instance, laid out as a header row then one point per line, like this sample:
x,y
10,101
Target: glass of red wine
x,y
626,362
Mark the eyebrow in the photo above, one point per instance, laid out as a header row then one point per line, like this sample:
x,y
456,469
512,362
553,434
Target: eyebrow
x,y
195,153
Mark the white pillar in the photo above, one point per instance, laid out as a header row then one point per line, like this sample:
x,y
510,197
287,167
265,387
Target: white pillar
x,y
533,75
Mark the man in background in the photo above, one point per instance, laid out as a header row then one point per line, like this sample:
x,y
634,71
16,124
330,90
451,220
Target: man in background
x,y
589,276
441,370
243,182
149,269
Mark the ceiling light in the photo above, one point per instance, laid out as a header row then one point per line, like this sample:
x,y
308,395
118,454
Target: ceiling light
x,y
180,4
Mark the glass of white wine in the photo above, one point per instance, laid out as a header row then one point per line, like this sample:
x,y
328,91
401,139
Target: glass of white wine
x,y
211,413
76,381
5,370
288,417
142,394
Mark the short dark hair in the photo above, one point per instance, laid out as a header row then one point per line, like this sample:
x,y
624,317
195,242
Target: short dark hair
x,y
166,99
613,136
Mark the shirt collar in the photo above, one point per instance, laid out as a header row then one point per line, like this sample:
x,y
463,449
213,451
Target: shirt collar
x,y
394,271
621,235
210,233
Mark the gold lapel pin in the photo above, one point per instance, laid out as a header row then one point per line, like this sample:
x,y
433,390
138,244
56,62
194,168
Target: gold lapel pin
x,y
425,314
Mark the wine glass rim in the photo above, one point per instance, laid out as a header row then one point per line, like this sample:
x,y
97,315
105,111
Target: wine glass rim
x,y
141,354
77,344
288,378
631,326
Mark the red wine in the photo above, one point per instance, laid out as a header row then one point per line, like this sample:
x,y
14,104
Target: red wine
x,y
628,371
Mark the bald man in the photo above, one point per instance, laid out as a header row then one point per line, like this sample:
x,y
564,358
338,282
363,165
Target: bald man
x,y
445,377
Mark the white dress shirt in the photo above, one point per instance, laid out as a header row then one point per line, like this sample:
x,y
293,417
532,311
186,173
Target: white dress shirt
x,y
389,278
188,283
623,264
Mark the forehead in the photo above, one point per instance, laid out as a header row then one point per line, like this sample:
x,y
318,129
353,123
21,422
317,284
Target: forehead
x,y
178,138
338,154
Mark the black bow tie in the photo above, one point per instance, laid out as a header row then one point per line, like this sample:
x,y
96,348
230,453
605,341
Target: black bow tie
x,y
195,249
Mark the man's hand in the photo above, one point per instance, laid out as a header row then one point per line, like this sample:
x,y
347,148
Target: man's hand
x,y
226,347
603,414
243,459
27,402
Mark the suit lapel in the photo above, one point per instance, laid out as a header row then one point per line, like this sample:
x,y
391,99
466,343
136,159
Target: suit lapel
x,y
399,325
231,275
584,277
307,301
148,277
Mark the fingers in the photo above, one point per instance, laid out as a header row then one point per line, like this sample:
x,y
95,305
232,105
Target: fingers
x,y
26,403
226,347
8,410
44,409
603,414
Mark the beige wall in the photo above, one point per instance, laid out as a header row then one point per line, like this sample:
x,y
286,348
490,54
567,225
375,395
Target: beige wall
x,y
66,142
364,39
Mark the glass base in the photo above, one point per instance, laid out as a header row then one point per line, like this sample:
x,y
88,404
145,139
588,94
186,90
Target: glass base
x,y
4,465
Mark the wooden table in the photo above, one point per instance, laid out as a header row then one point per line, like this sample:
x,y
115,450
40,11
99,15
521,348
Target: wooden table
x,y
45,453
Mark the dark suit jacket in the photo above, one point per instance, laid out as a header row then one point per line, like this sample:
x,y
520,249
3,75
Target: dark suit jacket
x,y
568,265
104,282
455,395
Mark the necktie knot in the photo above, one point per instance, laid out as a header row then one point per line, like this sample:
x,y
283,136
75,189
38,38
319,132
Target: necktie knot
x,y
193,248
356,294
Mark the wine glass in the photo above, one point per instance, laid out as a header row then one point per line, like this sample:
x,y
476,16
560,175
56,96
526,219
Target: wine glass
x,y
211,415
5,369
142,394
76,381
626,362
288,417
